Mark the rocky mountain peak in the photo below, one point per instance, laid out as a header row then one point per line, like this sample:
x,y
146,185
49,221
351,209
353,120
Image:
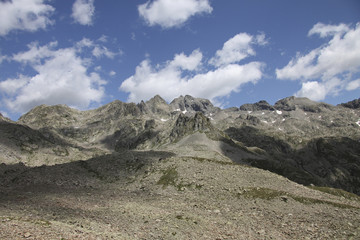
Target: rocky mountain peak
x,y
292,103
355,104
157,105
117,109
156,99
191,104
259,106
53,116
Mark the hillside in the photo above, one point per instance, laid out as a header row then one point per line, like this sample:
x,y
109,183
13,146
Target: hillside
x,y
184,170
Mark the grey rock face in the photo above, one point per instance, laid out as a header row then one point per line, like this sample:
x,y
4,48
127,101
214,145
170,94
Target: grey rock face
x,y
355,104
185,125
157,105
191,104
305,104
261,105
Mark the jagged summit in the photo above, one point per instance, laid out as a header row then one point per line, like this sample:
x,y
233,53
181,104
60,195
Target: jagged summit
x,y
191,104
261,105
355,104
305,104
157,105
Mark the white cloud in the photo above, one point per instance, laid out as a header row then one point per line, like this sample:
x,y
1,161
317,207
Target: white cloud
x,y
83,11
2,58
313,90
61,77
184,75
84,43
36,53
112,73
170,13
184,62
325,30
236,49
338,59
11,86
28,15
353,85
100,51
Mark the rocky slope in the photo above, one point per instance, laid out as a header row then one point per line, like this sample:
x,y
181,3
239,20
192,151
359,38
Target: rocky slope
x,y
306,141
184,170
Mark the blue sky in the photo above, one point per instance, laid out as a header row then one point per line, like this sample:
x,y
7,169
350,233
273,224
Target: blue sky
x,y
86,53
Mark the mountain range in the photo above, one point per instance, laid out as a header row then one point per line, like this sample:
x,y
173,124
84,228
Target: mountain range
x,y
164,148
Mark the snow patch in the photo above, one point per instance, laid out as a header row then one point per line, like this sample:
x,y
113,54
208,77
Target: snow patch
x,y
264,121
283,119
262,113
185,111
358,122
178,110
278,112
164,120
249,112
274,121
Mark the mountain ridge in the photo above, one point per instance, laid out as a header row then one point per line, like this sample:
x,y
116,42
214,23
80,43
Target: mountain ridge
x,y
284,133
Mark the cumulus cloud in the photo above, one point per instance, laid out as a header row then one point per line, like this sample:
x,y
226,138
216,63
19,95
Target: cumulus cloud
x,y
313,90
170,13
325,30
61,77
337,59
237,48
27,15
83,11
2,58
353,85
98,50
187,74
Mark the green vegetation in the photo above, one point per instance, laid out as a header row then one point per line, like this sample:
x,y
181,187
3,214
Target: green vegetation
x,y
169,177
262,193
337,192
269,194
199,159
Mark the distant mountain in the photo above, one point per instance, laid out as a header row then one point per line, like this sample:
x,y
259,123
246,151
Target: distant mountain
x,y
308,142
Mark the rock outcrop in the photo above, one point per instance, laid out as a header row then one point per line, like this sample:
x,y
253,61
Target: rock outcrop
x,y
261,105
191,104
355,104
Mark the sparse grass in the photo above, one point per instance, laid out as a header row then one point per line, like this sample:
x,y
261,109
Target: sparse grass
x,y
337,192
262,193
169,177
199,159
269,194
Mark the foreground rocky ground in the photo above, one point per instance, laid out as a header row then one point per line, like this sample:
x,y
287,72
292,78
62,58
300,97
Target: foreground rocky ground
x,y
158,195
